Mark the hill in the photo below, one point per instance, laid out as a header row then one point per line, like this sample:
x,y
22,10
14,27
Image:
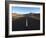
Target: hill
x,y
33,15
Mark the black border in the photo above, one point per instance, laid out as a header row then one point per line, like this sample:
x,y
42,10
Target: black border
x,y
23,2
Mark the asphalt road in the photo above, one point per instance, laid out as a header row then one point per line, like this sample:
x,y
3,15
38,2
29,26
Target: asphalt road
x,y
20,24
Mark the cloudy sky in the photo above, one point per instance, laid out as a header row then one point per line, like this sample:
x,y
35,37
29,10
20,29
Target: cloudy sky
x,y
25,10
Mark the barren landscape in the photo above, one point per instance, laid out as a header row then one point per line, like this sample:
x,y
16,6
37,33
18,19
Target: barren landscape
x,y
19,21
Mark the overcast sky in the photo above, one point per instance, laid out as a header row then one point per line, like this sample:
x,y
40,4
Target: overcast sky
x,y
25,10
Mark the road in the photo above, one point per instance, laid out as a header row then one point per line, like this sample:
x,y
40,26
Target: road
x,y
20,24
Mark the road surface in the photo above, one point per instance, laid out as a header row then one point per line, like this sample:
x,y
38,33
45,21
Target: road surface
x,y
20,24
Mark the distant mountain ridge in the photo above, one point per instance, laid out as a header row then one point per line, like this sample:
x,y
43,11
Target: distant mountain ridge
x,y
16,16
23,15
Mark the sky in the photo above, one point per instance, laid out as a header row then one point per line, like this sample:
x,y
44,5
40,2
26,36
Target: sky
x,y
25,10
